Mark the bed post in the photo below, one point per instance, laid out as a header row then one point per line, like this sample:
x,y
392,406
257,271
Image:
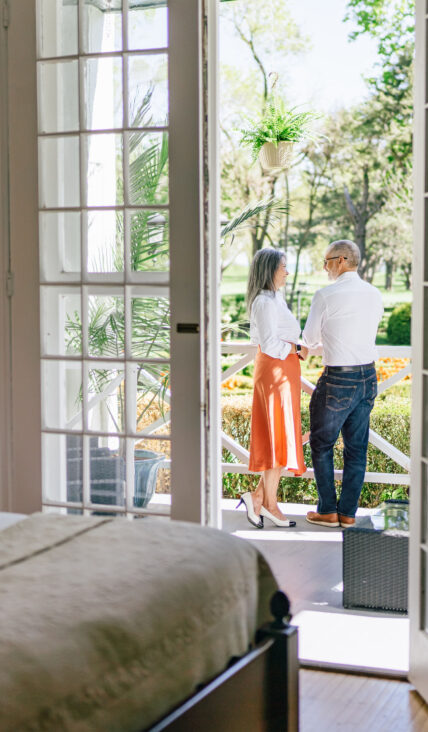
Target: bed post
x,y
282,673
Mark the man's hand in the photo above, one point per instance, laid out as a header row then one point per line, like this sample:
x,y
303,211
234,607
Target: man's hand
x,y
303,353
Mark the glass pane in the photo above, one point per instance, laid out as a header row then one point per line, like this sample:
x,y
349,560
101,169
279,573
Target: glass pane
x,y
152,484
59,183
149,237
148,26
106,326
56,28
102,26
105,241
104,182
59,236
148,168
103,107
61,321
62,467
148,90
149,398
62,395
150,322
58,96
106,399
107,470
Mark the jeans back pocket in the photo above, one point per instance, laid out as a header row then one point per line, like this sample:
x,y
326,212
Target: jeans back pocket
x,y
339,396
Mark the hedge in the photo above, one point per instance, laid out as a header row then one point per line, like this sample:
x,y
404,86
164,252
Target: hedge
x,y
390,418
399,325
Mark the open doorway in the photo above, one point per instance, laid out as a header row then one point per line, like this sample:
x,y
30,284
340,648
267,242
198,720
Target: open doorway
x,y
355,182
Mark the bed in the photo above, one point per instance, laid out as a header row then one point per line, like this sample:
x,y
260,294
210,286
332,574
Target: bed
x,y
124,626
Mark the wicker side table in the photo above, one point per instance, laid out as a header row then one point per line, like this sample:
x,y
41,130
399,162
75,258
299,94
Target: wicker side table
x,y
375,569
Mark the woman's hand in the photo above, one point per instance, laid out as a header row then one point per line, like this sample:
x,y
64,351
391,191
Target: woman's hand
x,y
303,353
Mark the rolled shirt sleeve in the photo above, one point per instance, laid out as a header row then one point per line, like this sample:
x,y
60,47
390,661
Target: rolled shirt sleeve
x,y
265,315
312,331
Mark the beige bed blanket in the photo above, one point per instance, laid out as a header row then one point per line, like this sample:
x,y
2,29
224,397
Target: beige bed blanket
x,y
107,624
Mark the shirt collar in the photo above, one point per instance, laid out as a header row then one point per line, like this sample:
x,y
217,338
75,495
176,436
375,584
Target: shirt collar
x,y
347,276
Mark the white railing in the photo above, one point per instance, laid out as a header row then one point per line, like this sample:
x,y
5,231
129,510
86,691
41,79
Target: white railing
x,y
248,352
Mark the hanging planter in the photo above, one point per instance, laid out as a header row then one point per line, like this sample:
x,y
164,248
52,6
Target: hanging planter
x,y
275,159
271,138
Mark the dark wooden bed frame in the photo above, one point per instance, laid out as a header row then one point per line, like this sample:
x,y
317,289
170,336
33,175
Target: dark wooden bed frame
x,y
256,693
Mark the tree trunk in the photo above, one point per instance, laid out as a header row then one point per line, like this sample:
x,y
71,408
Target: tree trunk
x,y
296,274
260,230
284,241
389,271
407,273
359,222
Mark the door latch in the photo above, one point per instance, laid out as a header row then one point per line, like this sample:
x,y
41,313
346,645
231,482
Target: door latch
x,y
187,327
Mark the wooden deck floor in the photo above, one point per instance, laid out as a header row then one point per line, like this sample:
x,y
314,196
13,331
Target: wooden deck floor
x,y
307,562
335,702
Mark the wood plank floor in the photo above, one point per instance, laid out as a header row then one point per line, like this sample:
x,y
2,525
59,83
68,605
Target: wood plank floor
x,y
335,702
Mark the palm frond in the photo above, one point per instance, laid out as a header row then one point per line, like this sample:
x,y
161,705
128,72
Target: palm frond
x,y
277,209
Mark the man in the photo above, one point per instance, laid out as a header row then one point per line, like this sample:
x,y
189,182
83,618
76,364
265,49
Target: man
x,y
344,317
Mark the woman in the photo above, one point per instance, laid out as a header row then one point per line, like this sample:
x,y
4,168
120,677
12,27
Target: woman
x,y
276,434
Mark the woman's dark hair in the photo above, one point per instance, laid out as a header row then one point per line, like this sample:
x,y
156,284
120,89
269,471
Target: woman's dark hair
x,y
262,271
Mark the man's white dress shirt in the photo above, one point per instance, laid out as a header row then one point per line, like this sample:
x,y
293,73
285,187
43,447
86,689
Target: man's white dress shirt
x,y
344,317
272,324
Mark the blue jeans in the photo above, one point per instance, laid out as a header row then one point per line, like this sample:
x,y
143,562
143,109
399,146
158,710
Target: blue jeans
x,y
342,401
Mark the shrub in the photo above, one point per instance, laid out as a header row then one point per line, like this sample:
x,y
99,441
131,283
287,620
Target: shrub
x,y
398,330
390,418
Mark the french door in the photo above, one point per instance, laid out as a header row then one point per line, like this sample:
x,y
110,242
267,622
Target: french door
x,y
418,564
112,215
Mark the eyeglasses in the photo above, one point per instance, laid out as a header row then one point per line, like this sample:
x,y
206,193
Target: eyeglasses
x,y
338,257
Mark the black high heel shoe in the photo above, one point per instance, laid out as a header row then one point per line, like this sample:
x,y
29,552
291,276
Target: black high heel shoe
x,y
252,517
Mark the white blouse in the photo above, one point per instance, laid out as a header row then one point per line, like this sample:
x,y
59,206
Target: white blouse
x,y
272,324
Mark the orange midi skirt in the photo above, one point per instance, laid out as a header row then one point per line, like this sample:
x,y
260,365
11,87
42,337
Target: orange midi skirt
x,y
276,432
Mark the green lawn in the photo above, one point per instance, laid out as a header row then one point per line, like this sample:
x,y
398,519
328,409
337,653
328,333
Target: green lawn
x,y
234,282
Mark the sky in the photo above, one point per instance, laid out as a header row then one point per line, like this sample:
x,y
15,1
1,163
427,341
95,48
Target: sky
x,y
328,75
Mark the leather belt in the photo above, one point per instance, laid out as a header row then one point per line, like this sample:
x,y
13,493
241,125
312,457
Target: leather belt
x,y
349,369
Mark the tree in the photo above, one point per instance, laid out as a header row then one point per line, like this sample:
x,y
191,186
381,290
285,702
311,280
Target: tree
x,y
355,189
391,23
391,237
307,217
389,116
266,36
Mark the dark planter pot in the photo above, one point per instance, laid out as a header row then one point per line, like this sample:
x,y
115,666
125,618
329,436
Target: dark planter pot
x,y
146,464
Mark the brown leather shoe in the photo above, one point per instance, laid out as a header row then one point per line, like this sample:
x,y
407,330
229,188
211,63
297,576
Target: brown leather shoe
x,y
346,521
323,519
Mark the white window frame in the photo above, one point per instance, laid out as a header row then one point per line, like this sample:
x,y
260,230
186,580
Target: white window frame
x,y
196,478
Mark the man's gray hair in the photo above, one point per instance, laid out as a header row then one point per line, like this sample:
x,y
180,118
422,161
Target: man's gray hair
x,y
347,249
262,271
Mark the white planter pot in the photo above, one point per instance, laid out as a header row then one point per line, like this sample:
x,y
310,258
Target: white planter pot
x,y
276,158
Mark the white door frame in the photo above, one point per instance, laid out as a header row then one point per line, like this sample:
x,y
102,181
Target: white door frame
x,y
194,218
5,400
22,474
418,559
